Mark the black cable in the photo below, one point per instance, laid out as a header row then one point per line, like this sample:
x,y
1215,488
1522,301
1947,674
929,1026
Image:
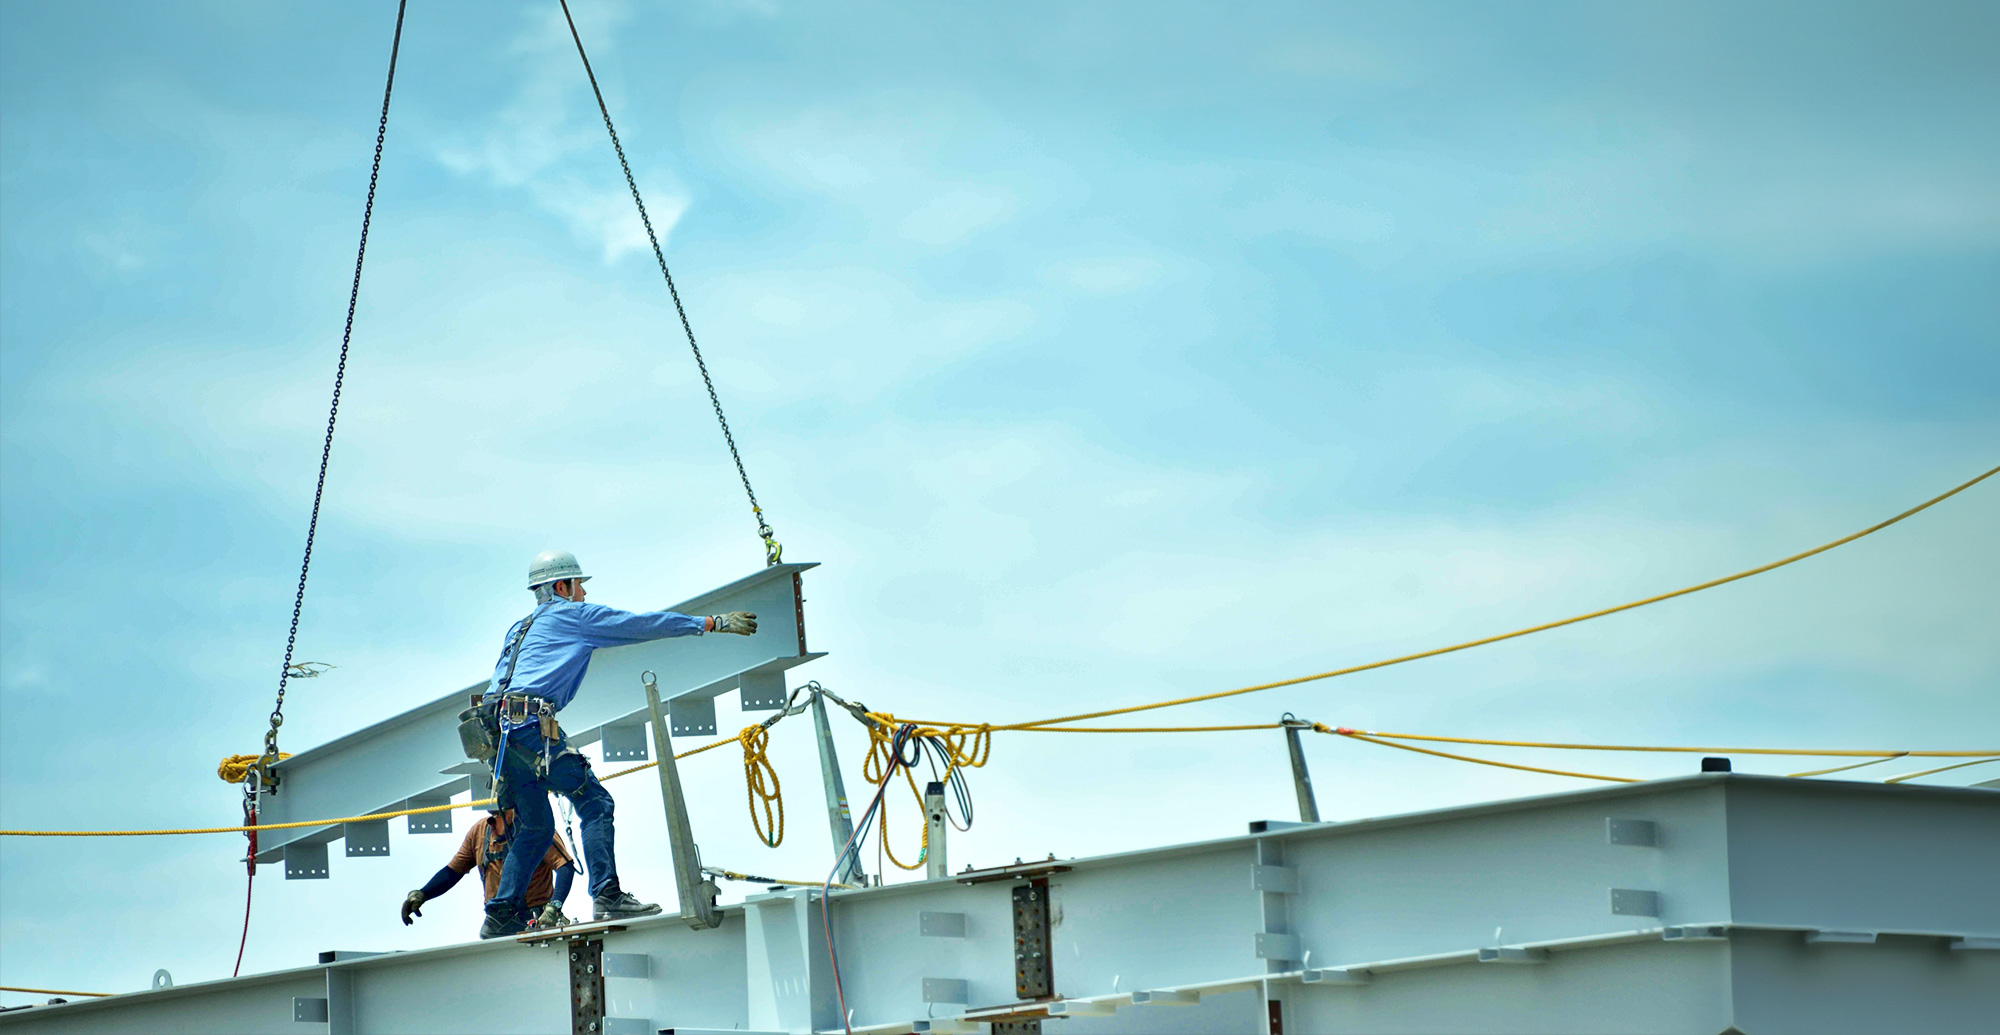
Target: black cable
x,y
764,531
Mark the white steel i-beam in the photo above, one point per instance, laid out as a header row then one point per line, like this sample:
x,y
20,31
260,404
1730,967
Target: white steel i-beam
x,y
1785,906
415,759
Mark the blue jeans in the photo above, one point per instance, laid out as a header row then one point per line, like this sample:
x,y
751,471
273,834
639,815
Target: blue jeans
x,y
535,823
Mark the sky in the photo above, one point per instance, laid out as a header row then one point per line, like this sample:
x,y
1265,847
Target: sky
x,y
1100,354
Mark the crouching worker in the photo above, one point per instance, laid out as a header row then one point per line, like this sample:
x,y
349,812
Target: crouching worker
x,y
542,661
484,848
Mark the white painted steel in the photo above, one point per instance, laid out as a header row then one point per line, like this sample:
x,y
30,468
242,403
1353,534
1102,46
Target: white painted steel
x,y
1395,913
416,755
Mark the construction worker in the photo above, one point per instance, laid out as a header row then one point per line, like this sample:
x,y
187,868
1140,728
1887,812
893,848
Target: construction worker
x,y
542,661
484,847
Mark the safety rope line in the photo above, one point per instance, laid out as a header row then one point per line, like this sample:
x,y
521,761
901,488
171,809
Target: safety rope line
x,y
1352,735
716,871
247,828
1845,768
1836,753
773,551
1940,769
1544,627
54,991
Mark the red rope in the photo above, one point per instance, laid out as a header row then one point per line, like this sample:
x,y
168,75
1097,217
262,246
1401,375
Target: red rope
x,y
250,864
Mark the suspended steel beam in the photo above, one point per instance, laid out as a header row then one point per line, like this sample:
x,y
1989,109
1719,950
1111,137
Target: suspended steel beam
x,y
415,758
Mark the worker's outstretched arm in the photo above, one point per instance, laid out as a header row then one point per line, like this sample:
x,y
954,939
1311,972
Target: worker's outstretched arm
x,y
602,626
440,882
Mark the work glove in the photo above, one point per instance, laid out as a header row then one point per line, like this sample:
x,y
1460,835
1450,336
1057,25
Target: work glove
x,y
551,916
742,623
412,906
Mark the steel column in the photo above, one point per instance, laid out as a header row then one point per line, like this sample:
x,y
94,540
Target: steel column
x,y
1301,779
936,866
838,820
697,893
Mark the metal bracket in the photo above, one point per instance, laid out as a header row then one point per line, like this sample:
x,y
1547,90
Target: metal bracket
x,y
586,987
761,691
1634,902
305,861
951,991
940,925
1034,966
624,743
430,822
366,839
1639,833
692,716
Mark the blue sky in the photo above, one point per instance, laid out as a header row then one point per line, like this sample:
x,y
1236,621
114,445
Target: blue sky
x,y
1102,353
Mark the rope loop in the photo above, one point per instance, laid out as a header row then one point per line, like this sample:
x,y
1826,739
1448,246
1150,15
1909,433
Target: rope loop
x,y
236,768
760,783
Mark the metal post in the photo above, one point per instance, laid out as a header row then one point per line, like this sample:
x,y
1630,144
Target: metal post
x,y
838,819
697,893
1301,779
936,866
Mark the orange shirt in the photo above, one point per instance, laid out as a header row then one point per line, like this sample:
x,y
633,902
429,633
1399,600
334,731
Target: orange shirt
x,y
485,847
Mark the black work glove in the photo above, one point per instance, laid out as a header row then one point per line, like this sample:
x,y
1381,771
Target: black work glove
x,y
412,906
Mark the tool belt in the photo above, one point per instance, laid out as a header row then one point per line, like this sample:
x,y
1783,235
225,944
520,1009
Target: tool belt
x,y
479,727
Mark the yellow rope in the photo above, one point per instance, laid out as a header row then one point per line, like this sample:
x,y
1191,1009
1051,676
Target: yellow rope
x,y
1468,758
1691,750
760,783
1155,729
1844,768
320,822
58,991
1350,670
236,768
1940,769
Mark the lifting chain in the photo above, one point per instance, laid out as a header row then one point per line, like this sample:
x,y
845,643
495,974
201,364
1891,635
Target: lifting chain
x,y
773,552
267,780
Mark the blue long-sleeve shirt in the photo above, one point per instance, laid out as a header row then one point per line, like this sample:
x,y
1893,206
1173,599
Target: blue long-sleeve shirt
x,y
556,652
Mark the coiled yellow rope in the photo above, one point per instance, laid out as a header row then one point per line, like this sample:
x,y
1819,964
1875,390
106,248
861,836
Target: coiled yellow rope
x,y
236,768
760,783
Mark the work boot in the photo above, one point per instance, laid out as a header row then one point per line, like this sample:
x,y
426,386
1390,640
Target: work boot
x,y
498,926
615,904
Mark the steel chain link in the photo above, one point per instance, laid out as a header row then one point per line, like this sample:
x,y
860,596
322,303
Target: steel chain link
x,y
270,755
773,551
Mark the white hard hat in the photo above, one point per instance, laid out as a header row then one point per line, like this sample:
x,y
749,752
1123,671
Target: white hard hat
x,y
554,565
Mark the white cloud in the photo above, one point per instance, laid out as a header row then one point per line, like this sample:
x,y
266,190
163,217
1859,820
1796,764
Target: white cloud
x,y
548,140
